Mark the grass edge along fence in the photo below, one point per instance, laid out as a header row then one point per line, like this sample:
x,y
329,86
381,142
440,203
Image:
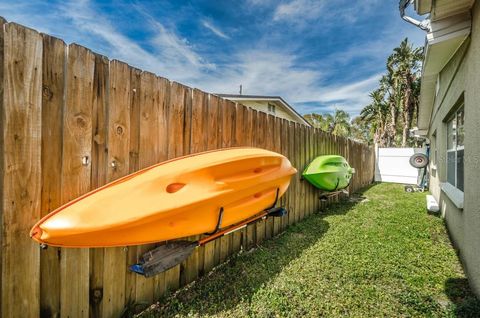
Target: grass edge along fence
x,y
72,120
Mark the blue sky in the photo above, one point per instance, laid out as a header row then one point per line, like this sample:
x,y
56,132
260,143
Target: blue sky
x,y
317,54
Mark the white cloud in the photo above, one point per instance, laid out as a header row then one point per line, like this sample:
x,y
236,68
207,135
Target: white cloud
x,y
172,56
271,73
298,9
300,12
263,72
214,29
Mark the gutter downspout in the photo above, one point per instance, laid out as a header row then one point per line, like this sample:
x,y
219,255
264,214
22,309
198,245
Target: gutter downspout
x,y
424,25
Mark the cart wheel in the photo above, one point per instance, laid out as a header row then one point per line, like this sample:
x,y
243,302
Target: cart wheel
x,y
409,189
419,160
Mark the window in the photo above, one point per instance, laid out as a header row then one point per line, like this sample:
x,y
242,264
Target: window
x,y
434,153
455,149
271,108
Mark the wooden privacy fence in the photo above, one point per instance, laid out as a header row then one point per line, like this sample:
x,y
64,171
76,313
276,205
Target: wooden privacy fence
x,y
71,121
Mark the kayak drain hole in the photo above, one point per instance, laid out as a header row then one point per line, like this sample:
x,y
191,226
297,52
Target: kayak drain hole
x,y
258,170
174,187
257,195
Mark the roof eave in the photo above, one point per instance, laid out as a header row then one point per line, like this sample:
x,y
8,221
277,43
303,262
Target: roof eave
x,y
441,44
289,108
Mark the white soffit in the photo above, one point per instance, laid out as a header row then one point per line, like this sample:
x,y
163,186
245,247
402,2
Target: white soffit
x,y
446,8
442,42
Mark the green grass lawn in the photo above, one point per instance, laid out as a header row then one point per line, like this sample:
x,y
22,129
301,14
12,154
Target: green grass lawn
x,y
382,257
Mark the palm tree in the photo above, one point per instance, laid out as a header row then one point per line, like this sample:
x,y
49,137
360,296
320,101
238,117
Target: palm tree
x,y
361,130
318,121
376,114
405,69
340,125
337,124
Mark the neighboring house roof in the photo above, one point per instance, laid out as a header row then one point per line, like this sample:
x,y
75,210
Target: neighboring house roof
x,y
450,26
279,99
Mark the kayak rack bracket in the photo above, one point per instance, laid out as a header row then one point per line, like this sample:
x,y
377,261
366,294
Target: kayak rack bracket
x,y
220,214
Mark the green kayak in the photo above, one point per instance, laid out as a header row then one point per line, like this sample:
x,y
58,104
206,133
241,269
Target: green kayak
x,y
329,173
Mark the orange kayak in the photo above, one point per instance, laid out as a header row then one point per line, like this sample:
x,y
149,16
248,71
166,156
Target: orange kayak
x,y
170,200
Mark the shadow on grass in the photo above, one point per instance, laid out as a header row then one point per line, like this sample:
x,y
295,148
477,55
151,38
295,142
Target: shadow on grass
x,y
460,294
239,279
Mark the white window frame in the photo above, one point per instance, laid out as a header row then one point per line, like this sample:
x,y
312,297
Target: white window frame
x,y
455,148
434,150
271,108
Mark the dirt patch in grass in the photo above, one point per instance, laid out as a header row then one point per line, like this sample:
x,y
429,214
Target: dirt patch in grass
x,y
382,255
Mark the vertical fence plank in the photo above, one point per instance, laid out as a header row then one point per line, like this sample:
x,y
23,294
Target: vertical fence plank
x,y
133,165
176,140
198,143
53,86
308,157
99,171
228,130
187,133
162,98
148,153
238,140
76,173
269,128
313,155
251,231
260,142
2,34
212,141
285,151
277,147
21,134
303,196
295,132
293,183
3,115
115,258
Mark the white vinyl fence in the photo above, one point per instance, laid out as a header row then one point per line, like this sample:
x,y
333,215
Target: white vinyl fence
x,y
392,165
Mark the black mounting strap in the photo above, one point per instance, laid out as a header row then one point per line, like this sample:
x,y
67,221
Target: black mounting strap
x,y
336,186
275,202
219,223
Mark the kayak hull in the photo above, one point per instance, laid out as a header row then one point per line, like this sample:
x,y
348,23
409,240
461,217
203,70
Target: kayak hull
x,y
329,173
170,200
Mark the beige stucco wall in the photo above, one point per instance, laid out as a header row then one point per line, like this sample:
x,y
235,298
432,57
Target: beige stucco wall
x,y
263,106
461,77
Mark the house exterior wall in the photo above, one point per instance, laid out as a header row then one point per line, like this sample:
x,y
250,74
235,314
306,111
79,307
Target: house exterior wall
x,y
460,81
263,106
